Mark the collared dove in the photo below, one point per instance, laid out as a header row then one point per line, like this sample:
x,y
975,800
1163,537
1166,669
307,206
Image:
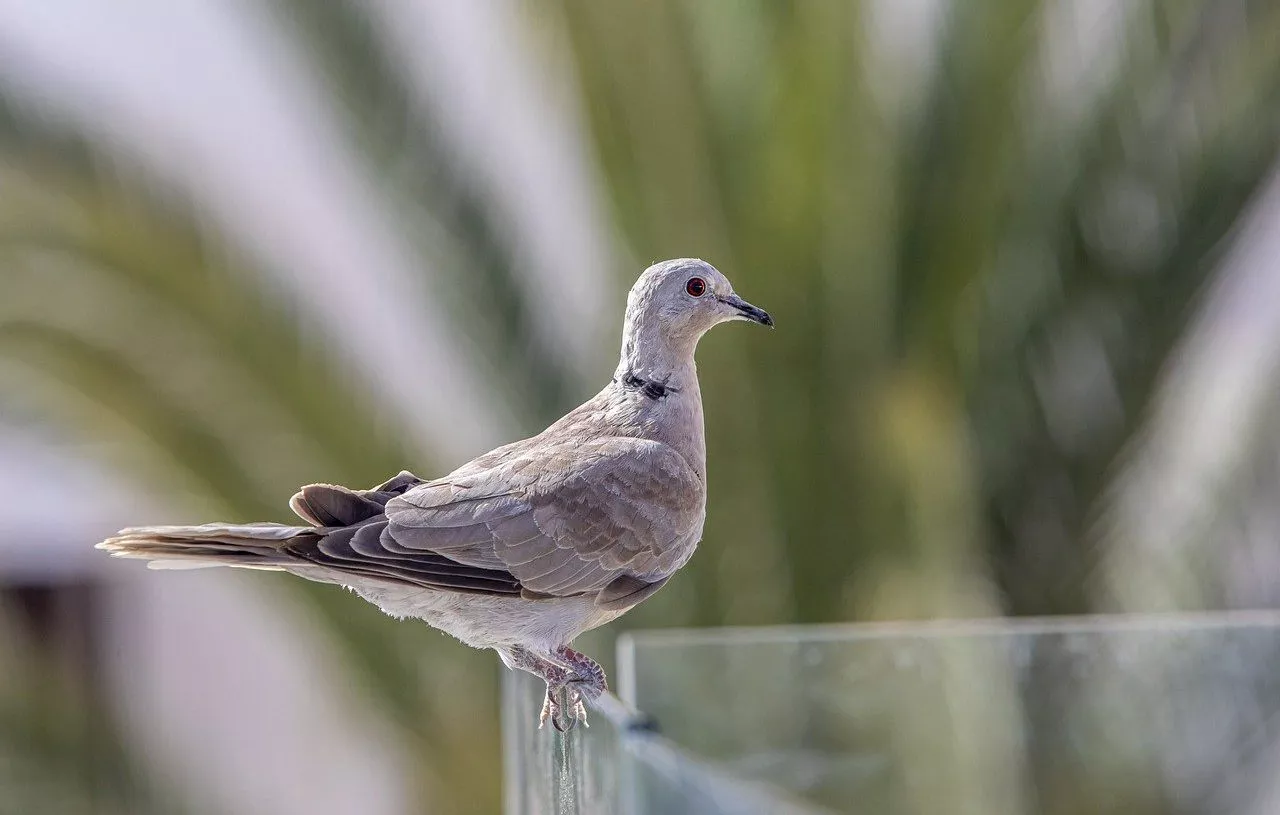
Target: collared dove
x,y
527,546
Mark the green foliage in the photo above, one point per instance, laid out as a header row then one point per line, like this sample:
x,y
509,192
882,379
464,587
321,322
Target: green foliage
x,y
211,419
887,452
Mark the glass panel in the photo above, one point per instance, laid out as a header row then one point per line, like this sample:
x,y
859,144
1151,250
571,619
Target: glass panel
x,y
1143,715
614,766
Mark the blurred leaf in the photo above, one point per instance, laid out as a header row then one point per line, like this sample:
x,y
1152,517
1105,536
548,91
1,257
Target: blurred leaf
x,y
143,247
1126,289
441,209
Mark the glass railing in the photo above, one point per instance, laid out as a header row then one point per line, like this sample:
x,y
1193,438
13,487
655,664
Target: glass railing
x,y
617,765
1141,715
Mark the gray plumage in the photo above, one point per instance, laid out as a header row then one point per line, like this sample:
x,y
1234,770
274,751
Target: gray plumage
x,y
527,546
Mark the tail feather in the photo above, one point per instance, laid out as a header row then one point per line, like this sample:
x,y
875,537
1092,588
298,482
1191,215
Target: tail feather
x,y
333,505
248,546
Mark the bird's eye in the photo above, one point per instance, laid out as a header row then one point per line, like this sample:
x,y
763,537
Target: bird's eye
x,y
696,287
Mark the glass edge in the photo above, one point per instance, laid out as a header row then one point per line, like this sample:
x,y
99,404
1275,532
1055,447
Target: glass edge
x,y
995,626
632,742
676,764
625,656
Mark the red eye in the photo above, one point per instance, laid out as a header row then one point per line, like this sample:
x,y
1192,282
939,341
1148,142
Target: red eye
x,y
696,287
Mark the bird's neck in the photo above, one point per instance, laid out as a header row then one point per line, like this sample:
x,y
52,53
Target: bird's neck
x,y
657,382
663,382
650,357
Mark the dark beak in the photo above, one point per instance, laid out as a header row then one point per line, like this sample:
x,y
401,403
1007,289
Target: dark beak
x,y
748,311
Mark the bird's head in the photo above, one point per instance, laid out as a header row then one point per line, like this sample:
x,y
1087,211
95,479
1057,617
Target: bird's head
x,y
680,300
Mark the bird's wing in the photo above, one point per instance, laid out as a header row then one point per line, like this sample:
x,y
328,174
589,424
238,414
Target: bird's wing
x,y
352,537
612,516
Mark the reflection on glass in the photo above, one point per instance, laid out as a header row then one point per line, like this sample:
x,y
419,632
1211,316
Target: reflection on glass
x,y
1128,715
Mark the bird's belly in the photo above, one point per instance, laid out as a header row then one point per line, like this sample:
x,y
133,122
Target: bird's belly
x,y
486,621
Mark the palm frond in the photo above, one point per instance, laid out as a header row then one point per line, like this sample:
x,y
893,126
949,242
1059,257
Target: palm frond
x,y
250,383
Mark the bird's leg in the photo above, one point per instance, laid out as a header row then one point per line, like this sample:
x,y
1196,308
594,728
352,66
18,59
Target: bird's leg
x,y
557,678
585,679
589,675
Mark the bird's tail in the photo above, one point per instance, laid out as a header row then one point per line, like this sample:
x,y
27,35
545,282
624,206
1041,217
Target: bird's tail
x,y
249,546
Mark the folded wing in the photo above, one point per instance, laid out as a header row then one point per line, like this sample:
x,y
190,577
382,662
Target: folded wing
x,y
611,517
352,536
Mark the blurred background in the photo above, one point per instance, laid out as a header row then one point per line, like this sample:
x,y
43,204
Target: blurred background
x,y
1022,256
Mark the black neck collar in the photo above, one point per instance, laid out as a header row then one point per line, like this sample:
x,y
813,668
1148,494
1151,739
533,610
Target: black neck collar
x,y
650,388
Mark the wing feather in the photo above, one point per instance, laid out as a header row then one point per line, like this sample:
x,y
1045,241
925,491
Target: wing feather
x,y
571,519
359,550
611,518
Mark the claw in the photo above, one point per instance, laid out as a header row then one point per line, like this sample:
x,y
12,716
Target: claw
x,y
578,677
563,715
546,713
553,710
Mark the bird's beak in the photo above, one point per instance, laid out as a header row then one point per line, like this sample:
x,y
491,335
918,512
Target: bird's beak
x,y
746,311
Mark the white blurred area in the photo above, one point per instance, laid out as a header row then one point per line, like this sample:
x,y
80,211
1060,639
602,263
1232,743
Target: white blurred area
x,y
227,689
1198,497
221,685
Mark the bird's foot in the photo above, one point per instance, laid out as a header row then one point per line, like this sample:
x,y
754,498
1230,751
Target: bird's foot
x,y
563,707
579,681
573,679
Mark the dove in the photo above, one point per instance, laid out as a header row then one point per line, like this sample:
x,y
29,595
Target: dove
x,y
528,546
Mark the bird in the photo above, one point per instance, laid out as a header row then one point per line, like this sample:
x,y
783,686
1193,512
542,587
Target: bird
x,y
523,548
